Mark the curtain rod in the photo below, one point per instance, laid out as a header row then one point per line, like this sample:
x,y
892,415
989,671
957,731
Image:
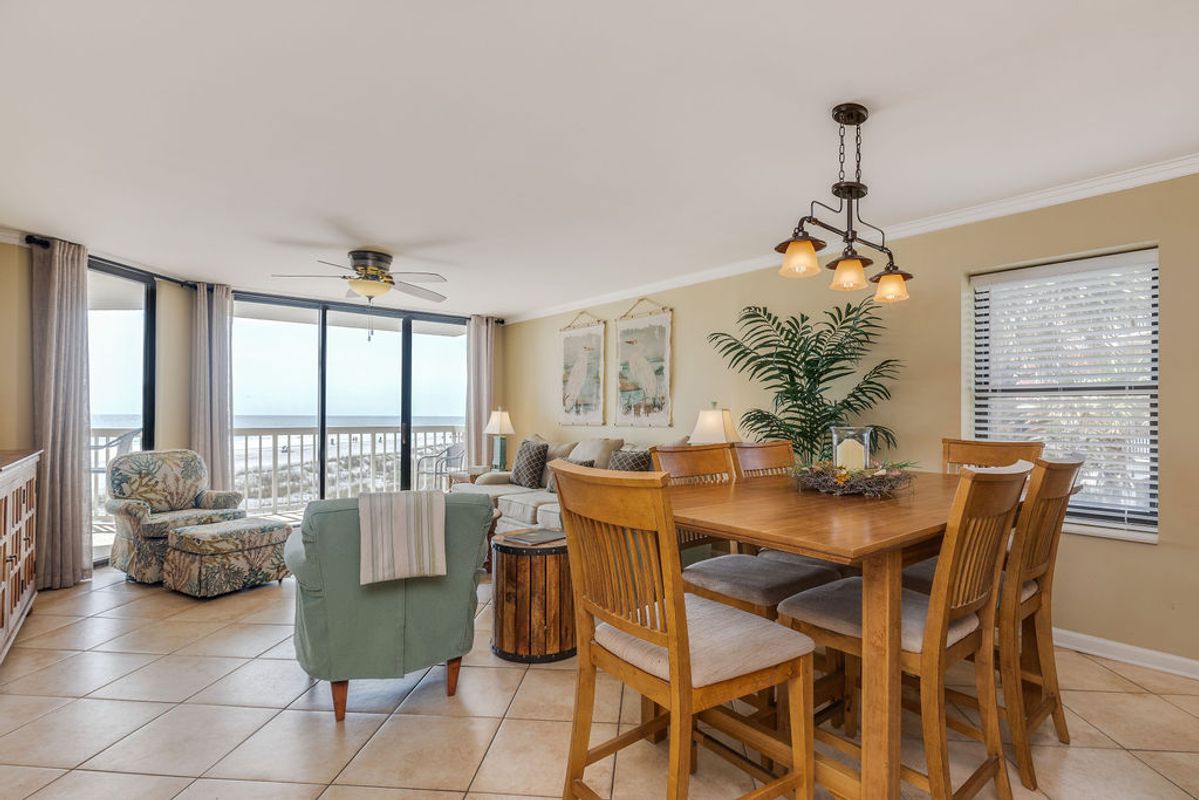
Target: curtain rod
x,y
37,241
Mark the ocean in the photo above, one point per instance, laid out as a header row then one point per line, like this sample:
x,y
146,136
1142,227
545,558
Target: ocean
x,y
127,421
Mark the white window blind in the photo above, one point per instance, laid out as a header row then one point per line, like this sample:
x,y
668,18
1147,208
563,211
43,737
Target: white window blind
x,y
1068,353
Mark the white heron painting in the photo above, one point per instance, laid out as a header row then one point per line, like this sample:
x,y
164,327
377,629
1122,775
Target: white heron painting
x,y
643,353
582,376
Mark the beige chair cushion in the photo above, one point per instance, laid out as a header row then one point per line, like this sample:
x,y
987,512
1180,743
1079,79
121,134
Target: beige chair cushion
x,y
919,577
725,643
837,607
596,450
759,581
549,516
494,490
494,477
161,523
802,561
522,506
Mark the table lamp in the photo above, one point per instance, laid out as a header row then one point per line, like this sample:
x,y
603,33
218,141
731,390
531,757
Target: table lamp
x,y
714,426
499,426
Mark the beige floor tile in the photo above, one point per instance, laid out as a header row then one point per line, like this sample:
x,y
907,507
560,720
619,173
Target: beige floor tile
x,y
1082,733
1180,768
485,619
74,733
422,753
160,636
571,664
1187,702
16,709
78,675
154,606
207,789
482,692
1137,721
171,679
238,640
377,793
37,624
1152,680
187,740
964,758
17,783
1078,672
489,796
529,757
641,771
22,661
484,592
303,746
79,784
86,633
550,694
279,613
228,607
267,683
368,696
82,604
480,654
1075,772
132,589
104,577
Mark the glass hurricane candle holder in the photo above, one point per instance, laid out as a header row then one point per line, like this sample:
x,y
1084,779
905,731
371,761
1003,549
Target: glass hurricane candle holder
x,y
851,446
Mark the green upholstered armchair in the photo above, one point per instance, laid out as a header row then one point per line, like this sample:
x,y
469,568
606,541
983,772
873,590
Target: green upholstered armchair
x,y
346,631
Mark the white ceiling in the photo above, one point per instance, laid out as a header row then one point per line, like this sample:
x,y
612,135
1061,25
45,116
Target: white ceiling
x,y
542,152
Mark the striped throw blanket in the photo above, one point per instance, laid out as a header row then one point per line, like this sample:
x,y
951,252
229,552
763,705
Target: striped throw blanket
x,y
402,535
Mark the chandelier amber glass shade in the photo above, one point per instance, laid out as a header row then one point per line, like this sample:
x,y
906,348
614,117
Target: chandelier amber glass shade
x,y
892,288
850,275
800,260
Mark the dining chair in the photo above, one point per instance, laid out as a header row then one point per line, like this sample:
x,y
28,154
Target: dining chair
x,y
681,651
747,582
954,623
957,453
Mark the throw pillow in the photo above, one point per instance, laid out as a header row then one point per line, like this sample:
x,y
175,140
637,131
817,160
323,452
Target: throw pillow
x,y
552,485
597,450
557,450
529,464
631,461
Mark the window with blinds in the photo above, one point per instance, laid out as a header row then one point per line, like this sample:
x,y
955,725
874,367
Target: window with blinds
x,y
1068,353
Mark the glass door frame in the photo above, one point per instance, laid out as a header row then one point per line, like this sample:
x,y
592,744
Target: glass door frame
x,y
323,307
149,336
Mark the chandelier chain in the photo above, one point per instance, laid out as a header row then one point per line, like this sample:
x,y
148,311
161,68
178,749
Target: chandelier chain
x,y
858,154
841,154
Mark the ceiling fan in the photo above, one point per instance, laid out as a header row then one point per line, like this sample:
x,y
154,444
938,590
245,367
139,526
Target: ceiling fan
x,y
373,277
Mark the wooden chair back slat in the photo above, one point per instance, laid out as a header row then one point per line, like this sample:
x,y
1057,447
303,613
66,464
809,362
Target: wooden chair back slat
x,y
624,553
701,463
980,522
1039,526
756,459
958,453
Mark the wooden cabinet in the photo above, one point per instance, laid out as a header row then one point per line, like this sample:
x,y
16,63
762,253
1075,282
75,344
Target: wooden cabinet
x,y
18,538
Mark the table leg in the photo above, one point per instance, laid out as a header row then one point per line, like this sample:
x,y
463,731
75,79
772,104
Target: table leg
x,y
882,585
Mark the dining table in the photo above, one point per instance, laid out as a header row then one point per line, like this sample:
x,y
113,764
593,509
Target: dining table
x,y
879,535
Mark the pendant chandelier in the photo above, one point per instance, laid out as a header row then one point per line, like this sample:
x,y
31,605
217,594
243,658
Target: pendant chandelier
x,y
849,269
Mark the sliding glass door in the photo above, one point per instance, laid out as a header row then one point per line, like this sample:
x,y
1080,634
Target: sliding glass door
x,y
332,401
120,326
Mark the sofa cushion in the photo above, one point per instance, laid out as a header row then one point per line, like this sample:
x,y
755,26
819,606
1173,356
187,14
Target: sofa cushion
x,y
549,516
493,477
557,450
165,479
597,450
631,461
494,491
523,507
157,526
230,536
552,485
529,464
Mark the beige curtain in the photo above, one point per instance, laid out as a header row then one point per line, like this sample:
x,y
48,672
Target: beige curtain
x,y
480,350
212,382
61,416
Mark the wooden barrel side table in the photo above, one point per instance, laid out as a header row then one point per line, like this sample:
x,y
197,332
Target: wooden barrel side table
x,y
533,601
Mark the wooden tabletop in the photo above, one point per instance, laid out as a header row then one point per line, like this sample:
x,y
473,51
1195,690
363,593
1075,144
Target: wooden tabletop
x,y
770,512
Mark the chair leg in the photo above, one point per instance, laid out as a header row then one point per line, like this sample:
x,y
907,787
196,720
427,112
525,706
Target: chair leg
x,y
936,745
341,691
1013,702
988,709
853,673
649,710
834,662
580,731
799,713
452,668
679,776
1044,631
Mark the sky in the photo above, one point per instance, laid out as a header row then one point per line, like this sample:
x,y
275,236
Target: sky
x,y
274,369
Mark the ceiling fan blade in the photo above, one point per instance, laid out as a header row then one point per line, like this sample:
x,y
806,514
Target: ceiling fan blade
x,y
419,291
419,277
339,266
351,293
308,276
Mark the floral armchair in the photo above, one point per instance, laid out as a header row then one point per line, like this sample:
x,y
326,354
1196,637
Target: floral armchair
x,y
152,492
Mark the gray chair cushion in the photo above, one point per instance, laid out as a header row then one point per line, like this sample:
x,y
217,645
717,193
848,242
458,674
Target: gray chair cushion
x,y
801,561
725,643
756,580
837,607
919,577
522,507
549,516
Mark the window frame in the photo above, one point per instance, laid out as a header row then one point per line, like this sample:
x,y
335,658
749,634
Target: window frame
x,y
1077,523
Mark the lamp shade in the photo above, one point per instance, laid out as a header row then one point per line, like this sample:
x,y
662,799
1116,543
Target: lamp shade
x,y
369,288
714,426
500,424
892,288
850,275
799,260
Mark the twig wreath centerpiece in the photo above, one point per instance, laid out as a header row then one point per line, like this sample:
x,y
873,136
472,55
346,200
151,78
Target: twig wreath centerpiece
x,y
877,480
803,363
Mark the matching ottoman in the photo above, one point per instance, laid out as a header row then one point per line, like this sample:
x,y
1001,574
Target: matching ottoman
x,y
223,557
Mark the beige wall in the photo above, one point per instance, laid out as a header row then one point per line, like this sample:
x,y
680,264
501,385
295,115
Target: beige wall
x,y
172,379
16,368
1146,595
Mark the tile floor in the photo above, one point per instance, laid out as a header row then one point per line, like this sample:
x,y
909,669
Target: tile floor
x,y
115,689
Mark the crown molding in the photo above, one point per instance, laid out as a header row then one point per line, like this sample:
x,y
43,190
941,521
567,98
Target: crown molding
x,y
1029,201
12,236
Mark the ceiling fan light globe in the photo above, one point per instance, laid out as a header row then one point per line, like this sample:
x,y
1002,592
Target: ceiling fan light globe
x,y
368,288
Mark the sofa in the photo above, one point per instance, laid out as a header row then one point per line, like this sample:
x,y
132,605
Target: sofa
x,y
151,493
346,631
